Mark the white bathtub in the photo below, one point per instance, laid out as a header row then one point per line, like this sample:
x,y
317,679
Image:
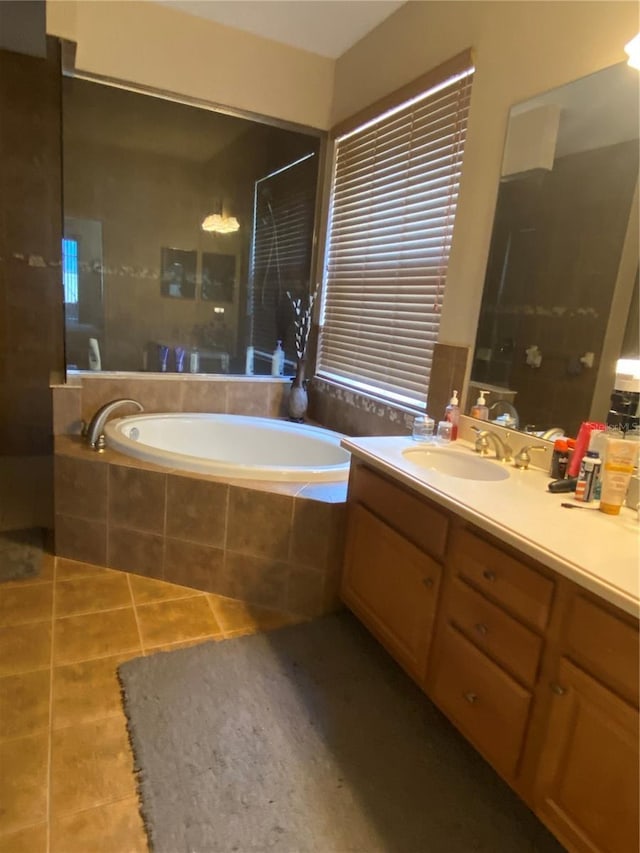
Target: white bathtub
x,y
233,446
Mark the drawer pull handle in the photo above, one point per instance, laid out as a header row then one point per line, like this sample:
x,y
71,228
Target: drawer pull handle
x,y
428,582
481,629
558,689
488,575
471,697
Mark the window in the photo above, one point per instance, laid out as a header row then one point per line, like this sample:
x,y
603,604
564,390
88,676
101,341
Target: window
x,y
284,209
70,270
395,188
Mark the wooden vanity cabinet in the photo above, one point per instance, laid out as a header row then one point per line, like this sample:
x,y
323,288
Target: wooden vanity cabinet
x,y
539,674
389,582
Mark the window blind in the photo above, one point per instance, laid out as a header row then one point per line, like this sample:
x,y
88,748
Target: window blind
x,y
393,204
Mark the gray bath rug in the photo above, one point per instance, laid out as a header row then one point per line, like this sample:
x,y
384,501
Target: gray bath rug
x,y
20,553
309,739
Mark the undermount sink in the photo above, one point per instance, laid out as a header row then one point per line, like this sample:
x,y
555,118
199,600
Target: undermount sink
x,y
455,464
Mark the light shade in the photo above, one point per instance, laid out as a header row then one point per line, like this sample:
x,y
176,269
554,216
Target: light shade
x,y
220,224
632,49
628,375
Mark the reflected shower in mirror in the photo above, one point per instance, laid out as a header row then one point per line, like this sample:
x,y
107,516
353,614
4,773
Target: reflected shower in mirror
x,y
184,230
563,261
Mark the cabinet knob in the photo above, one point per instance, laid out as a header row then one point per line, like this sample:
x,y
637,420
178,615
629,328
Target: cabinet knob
x,y
481,628
471,698
488,575
558,689
428,582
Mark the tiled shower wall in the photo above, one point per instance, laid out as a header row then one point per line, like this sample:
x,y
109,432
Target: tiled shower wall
x,y
31,343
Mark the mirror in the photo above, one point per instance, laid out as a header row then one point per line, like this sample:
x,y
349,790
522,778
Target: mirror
x,y
556,310
185,229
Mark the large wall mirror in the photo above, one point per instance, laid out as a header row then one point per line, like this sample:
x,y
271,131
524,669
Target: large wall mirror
x,y
185,229
560,300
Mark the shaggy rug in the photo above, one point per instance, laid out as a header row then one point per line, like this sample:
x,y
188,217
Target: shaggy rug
x,y
309,739
20,553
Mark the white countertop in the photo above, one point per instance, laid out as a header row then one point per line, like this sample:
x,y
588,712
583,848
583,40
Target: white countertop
x,y
597,551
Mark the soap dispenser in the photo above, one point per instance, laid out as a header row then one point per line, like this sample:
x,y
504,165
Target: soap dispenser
x,y
452,414
481,410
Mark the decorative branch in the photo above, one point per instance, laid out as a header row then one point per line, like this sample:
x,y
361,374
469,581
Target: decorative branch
x,y
302,309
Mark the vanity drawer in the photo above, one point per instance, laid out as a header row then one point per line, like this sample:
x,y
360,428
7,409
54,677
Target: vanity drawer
x,y
410,514
486,704
519,588
604,644
503,638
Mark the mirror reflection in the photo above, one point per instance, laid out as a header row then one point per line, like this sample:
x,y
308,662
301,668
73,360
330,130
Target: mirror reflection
x,y
187,233
557,302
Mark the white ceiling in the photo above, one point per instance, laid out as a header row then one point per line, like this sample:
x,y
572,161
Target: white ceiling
x,y
327,27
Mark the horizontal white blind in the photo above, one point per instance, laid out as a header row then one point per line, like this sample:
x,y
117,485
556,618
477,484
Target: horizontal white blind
x,y
393,205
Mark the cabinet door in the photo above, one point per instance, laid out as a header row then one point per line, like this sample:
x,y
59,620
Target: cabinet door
x,y
587,782
392,587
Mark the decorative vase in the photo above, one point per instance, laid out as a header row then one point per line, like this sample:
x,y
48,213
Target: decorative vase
x,y
298,399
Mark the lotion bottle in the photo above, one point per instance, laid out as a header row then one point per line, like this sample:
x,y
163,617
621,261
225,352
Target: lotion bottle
x,y
481,410
452,414
277,360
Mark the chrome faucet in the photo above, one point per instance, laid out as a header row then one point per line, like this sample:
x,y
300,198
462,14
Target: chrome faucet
x,y
504,453
94,430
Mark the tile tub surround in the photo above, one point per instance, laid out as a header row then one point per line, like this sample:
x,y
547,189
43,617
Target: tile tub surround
x,y
353,413
270,544
84,393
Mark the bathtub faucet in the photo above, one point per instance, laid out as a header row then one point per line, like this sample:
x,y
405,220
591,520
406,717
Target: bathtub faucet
x,y
94,430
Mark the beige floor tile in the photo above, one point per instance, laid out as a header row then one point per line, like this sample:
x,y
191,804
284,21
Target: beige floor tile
x,y
115,828
184,644
95,635
31,840
92,593
69,569
23,782
24,704
87,691
19,605
91,765
175,621
238,617
24,648
149,590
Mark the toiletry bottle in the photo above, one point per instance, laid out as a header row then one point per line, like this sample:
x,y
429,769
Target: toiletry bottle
x,y
94,354
452,414
248,365
277,360
582,443
589,474
481,410
194,361
620,458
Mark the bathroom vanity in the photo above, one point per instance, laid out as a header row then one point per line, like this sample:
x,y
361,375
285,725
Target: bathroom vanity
x,y
517,617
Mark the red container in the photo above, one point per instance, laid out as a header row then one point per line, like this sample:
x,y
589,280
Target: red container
x,y
582,445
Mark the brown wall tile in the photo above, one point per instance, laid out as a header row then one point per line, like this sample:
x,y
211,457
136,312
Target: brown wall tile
x,y
81,539
80,488
248,398
135,552
255,579
305,592
137,498
67,401
196,510
201,396
190,564
312,534
259,523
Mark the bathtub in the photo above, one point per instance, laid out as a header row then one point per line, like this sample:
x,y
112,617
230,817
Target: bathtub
x,y
233,446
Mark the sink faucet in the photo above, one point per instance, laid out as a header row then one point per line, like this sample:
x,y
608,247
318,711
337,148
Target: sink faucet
x,y
94,430
504,453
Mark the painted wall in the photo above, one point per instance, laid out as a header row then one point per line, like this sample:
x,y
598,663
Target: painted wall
x,y
152,45
520,49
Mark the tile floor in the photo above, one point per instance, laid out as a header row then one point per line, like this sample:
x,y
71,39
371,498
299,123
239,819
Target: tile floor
x,y
66,772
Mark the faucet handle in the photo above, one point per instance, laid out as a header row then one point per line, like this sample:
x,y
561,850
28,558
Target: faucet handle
x,y
523,459
482,442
